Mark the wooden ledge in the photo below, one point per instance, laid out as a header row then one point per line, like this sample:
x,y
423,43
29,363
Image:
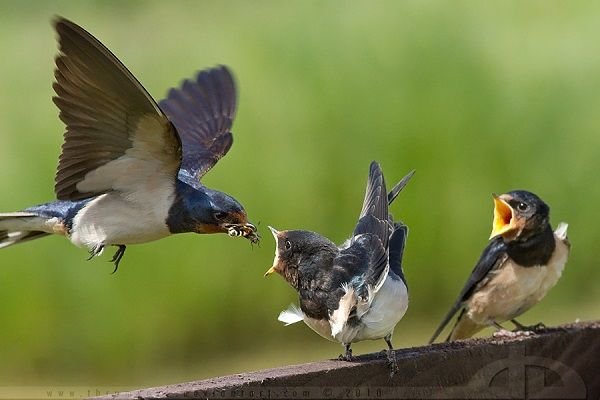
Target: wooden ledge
x,y
558,363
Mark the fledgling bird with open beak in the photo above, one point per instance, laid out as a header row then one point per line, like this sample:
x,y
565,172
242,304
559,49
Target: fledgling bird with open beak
x,y
130,168
356,291
521,263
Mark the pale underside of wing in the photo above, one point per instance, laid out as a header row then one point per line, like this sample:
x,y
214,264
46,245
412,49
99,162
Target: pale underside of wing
x,y
116,136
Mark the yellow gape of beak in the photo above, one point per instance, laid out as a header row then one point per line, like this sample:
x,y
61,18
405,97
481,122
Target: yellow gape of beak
x,y
503,217
275,232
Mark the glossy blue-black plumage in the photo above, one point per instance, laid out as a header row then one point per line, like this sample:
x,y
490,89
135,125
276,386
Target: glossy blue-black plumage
x,y
195,205
396,251
64,210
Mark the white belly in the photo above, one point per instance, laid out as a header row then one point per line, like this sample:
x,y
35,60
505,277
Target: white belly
x,y
387,309
514,289
111,220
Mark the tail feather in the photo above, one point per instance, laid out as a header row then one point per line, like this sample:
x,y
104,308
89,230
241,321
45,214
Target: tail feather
x,y
464,328
19,227
399,186
396,249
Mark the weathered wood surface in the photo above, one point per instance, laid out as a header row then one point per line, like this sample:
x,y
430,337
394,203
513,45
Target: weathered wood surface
x,y
560,363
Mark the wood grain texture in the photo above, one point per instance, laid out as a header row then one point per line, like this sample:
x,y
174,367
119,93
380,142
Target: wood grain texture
x,y
559,363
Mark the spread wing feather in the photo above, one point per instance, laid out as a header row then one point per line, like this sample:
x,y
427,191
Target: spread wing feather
x,y
202,111
108,116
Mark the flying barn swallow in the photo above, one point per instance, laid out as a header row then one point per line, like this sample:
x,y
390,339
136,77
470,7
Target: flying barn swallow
x,y
521,263
130,168
356,291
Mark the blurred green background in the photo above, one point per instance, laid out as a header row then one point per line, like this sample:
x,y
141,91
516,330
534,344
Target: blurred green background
x,y
478,97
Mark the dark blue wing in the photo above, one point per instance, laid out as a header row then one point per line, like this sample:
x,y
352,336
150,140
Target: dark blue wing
x,y
373,216
202,111
373,229
492,257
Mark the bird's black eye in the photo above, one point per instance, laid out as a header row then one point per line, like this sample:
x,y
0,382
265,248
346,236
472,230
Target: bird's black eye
x,y
522,206
220,215
288,245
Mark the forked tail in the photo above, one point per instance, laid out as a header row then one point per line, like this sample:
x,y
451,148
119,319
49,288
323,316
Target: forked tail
x,y
19,227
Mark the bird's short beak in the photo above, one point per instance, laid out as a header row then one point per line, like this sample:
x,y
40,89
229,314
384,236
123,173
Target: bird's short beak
x,y
275,233
270,271
504,219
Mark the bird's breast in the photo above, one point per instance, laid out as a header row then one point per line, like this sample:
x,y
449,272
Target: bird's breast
x,y
514,289
114,219
386,309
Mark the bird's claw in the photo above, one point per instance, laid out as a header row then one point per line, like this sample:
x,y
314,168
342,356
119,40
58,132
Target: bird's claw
x,y
347,356
391,358
532,328
96,251
117,257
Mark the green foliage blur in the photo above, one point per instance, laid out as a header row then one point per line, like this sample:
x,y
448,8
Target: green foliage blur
x,y
478,97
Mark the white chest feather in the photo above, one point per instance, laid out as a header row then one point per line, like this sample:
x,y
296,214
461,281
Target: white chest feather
x,y
114,218
513,289
377,316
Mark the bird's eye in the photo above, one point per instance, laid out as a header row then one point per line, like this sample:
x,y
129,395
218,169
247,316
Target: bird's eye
x,y
288,245
522,206
220,215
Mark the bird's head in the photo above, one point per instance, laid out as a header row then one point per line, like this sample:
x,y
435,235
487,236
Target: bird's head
x,y
296,249
224,214
210,211
518,215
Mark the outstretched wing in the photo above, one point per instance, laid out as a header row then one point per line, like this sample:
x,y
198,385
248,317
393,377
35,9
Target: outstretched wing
x,y
202,111
116,135
492,257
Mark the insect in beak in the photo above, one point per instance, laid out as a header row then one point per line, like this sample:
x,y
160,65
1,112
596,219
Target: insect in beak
x,y
246,230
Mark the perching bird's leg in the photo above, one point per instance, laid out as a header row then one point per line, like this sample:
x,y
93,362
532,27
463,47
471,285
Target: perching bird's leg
x,y
348,355
96,251
391,356
117,257
500,331
533,328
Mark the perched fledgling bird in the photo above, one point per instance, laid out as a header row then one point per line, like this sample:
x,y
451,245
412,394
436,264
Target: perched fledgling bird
x,y
130,169
356,291
523,260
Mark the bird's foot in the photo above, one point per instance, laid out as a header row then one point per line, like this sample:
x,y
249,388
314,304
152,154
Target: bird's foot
x,y
391,356
532,328
118,256
348,354
96,251
391,359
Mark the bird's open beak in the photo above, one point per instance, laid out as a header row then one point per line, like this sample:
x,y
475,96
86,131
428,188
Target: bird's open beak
x,y
275,233
504,218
